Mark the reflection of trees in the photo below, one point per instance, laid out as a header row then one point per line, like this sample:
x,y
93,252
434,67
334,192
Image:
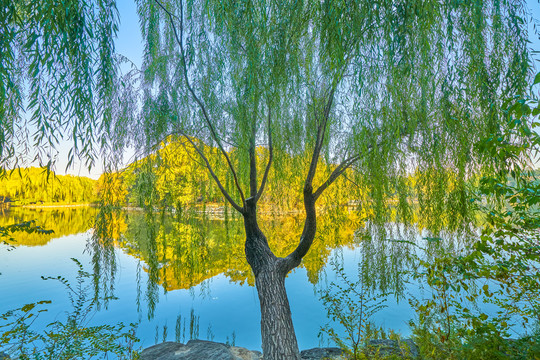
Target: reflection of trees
x,y
181,253
391,252
63,221
108,227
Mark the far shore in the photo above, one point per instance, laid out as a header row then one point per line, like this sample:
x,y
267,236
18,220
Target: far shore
x,y
216,211
38,206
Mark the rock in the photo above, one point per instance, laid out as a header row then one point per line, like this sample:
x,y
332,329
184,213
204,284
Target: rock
x,y
163,351
241,353
410,348
198,350
385,347
209,350
323,353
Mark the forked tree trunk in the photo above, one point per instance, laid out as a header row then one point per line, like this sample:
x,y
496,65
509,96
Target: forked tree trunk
x,y
277,331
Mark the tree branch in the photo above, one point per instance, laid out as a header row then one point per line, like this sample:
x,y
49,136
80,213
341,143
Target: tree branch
x,y
253,162
345,164
310,225
239,208
270,157
206,117
321,133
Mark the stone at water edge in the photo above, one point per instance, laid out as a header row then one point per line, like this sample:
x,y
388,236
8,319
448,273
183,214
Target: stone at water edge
x,y
198,350
323,353
163,351
209,350
245,354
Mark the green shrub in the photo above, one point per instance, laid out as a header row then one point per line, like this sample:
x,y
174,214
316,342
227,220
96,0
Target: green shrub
x,y
351,304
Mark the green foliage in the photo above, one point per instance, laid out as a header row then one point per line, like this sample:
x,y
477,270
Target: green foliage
x,y
501,266
168,178
73,338
351,304
58,67
413,82
374,85
111,190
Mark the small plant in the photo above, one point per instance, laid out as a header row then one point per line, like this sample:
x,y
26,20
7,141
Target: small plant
x,y
351,304
73,338
232,340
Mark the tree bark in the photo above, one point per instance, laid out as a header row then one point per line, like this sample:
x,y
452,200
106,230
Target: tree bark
x,y
277,331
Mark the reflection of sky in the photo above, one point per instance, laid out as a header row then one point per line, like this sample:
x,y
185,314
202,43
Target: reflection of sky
x,y
224,306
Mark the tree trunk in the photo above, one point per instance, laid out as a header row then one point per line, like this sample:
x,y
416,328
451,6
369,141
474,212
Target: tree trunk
x,y
277,331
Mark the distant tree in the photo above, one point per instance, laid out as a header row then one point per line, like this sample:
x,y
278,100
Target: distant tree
x,y
31,185
383,87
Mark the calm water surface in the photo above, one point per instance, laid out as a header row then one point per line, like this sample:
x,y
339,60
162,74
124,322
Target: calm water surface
x,y
168,272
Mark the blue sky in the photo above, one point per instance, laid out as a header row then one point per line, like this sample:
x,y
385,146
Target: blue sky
x,y
129,44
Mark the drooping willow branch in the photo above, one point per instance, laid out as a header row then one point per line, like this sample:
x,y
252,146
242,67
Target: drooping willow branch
x,y
340,169
227,196
270,156
206,117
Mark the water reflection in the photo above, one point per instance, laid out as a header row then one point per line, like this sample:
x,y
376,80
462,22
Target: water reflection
x,y
180,253
149,259
62,220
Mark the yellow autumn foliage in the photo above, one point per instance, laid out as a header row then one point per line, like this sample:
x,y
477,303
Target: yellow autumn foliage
x,y
62,221
37,186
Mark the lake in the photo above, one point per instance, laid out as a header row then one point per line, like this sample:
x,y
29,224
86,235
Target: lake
x,y
180,276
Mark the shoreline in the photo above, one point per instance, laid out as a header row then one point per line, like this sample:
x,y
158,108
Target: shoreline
x,y
36,206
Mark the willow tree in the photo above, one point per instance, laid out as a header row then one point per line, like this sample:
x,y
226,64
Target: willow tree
x,y
383,87
377,89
